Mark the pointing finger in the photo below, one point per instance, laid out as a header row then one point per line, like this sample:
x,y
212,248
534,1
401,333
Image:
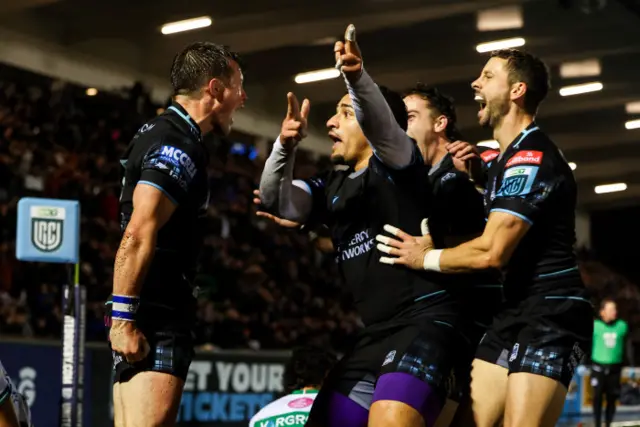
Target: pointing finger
x,y
293,108
351,46
304,111
338,50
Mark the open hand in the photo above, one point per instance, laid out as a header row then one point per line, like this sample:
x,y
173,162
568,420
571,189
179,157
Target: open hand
x,y
406,250
280,221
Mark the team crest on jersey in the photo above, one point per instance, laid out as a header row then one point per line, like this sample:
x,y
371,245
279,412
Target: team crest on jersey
x,y
517,181
525,158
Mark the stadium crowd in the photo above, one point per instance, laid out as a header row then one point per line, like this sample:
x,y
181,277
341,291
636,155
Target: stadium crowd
x,y
261,286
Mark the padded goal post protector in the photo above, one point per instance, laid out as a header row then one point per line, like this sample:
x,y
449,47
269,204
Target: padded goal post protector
x,y
48,230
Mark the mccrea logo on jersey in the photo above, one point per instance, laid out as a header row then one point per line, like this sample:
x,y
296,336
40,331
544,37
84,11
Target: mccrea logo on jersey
x,y
525,158
178,157
518,181
47,225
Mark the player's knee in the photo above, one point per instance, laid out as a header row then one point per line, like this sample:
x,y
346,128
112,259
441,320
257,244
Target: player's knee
x,y
392,413
408,398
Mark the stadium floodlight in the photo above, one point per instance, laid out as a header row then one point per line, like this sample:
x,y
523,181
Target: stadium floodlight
x,y
632,124
500,44
580,89
186,25
500,18
317,75
585,68
610,188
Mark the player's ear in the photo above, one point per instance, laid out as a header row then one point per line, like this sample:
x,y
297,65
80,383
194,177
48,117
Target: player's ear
x,y
518,90
216,89
441,123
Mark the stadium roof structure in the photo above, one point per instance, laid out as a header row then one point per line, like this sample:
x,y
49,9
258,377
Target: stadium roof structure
x,y
403,41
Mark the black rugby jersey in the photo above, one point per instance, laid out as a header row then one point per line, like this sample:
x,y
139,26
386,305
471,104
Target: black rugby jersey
x,y
458,210
533,181
458,216
356,206
168,153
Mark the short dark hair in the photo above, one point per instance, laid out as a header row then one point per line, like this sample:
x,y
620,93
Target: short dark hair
x,y
307,367
443,104
529,69
198,63
397,106
606,301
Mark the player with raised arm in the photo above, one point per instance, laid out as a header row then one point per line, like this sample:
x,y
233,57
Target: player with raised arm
x,y
527,358
165,192
396,371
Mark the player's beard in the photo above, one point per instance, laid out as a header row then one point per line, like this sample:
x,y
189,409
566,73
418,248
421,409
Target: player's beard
x,y
496,110
338,160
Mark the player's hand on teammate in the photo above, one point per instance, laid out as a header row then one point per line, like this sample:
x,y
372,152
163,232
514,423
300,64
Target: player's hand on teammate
x,y
348,56
280,221
404,249
294,125
463,154
128,341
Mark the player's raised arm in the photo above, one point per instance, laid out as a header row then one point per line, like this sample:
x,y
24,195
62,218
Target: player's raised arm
x,y
389,141
279,192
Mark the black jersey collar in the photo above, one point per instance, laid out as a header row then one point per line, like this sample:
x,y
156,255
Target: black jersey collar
x,y
528,130
183,120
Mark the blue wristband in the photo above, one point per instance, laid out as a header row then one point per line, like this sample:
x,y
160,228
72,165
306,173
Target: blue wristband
x,y
124,307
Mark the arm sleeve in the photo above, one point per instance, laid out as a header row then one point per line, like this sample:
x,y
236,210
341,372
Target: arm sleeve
x,y
528,181
171,168
389,141
279,192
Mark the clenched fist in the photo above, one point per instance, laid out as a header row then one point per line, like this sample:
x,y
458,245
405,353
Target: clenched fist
x,y
128,340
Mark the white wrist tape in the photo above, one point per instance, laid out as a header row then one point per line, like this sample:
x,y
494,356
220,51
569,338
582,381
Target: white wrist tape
x,y
432,260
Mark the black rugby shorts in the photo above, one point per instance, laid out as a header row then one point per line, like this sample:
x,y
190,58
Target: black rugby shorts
x,y
546,335
424,351
171,347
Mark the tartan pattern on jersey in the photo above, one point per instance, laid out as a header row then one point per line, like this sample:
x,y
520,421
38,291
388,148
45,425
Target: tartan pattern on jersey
x,y
548,361
415,362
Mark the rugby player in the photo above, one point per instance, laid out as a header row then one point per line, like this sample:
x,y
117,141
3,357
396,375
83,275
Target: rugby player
x,y
457,216
527,358
165,192
14,410
395,373
303,377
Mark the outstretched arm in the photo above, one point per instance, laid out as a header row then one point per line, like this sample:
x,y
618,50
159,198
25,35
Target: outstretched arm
x,y
389,141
